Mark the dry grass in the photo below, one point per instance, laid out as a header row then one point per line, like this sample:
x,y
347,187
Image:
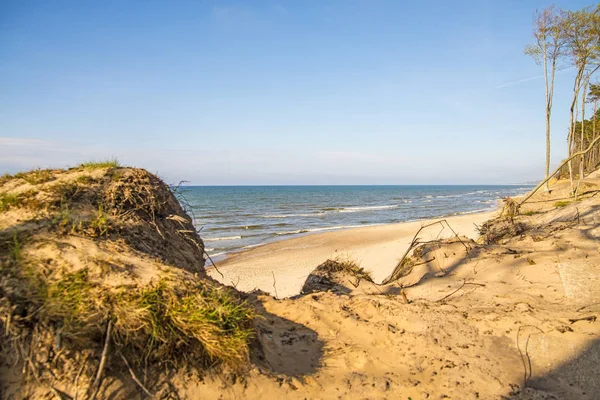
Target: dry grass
x,y
346,266
175,320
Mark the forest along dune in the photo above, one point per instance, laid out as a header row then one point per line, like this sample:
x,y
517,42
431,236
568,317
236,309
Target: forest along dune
x,y
283,266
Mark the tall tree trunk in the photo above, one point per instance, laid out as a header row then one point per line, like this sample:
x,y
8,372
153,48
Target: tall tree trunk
x,y
571,138
582,137
593,156
548,110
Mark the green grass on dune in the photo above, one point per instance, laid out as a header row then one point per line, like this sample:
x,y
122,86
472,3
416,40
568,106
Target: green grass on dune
x,y
110,163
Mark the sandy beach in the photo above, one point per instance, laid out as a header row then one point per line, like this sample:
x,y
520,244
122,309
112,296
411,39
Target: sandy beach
x,y
375,248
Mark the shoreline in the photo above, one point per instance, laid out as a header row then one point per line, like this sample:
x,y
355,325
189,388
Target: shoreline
x,y
286,263
225,256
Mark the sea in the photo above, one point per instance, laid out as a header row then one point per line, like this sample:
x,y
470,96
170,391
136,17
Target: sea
x,y
234,218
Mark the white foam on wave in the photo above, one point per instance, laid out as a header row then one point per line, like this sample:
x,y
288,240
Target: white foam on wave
x,y
327,228
216,239
367,208
292,215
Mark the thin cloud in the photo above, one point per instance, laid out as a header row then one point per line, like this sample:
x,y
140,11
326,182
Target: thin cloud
x,y
519,81
561,69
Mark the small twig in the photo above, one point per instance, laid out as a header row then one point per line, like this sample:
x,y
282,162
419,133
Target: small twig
x,y
424,262
526,373
590,318
214,265
234,284
456,235
461,286
403,293
96,384
275,287
135,379
589,305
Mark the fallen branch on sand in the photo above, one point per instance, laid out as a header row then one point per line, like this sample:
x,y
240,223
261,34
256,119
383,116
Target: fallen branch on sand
x,y
556,171
415,241
461,286
590,318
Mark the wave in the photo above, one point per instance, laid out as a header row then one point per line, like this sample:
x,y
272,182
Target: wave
x,y
216,239
328,228
476,192
367,208
428,197
236,227
450,196
472,211
475,211
320,214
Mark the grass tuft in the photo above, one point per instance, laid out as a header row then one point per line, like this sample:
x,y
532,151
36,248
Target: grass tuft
x,y
562,203
100,225
38,176
110,163
191,322
347,266
8,200
172,321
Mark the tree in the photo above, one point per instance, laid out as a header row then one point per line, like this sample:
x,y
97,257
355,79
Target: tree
x,y
547,51
579,29
593,97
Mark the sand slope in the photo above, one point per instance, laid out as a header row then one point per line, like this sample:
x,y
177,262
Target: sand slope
x,y
513,319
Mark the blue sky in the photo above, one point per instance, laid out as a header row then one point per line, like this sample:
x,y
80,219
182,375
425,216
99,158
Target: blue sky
x,y
279,92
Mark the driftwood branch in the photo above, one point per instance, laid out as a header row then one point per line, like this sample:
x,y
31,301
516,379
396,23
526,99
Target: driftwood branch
x,y
415,241
214,265
558,169
590,318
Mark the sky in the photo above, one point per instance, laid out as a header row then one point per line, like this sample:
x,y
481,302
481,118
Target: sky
x,y
280,92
